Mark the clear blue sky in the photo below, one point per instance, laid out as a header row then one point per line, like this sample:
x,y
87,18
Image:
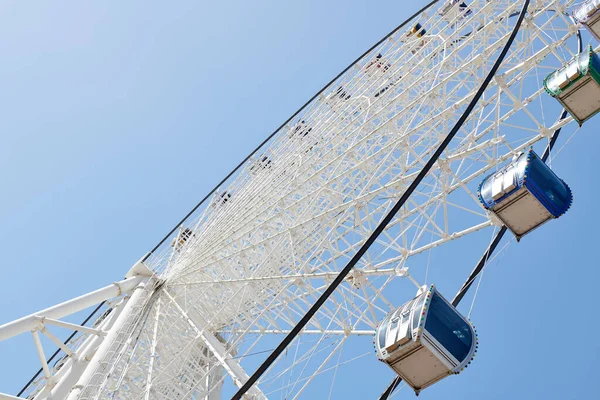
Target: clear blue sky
x,y
117,117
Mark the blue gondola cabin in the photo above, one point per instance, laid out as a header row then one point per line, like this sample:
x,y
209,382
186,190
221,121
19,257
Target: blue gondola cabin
x,y
588,15
417,31
425,340
525,194
577,86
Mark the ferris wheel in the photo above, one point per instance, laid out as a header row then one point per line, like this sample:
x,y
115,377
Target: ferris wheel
x,y
317,247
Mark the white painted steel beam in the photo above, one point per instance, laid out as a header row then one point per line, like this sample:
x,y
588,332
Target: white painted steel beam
x,y
232,367
74,366
90,369
4,396
69,307
68,325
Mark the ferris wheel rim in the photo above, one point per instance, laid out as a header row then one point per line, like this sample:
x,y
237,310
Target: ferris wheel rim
x,y
255,171
268,138
511,14
400,203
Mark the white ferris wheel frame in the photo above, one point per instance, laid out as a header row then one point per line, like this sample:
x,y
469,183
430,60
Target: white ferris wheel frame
x,y
267,243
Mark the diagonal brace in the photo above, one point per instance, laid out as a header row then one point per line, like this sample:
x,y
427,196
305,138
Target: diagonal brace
x,y
232,367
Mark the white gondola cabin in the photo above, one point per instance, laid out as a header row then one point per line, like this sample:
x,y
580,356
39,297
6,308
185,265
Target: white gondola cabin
x,y
263,163
182,237
299,131
337,98
454,9
221,199
377,66
577,86
525,194
588,15
415,34
425,340
417,31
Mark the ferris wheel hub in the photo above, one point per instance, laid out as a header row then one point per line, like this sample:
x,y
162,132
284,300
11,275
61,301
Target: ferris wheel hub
x,y
140,269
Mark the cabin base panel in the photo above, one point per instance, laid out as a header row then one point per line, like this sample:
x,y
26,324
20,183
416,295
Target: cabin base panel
x,y
583,100
522,213
420,368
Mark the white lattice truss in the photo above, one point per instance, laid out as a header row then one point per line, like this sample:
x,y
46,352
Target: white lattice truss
x,y
248,265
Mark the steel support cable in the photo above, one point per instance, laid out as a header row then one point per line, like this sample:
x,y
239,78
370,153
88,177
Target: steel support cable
x,y
282,125
387,219
492,247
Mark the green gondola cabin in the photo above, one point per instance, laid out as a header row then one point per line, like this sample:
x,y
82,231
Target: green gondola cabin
x,y
577,85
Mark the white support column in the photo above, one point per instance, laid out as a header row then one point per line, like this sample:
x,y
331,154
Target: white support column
x,y
59,385
232,367
70,372
41,355
153,350
108,340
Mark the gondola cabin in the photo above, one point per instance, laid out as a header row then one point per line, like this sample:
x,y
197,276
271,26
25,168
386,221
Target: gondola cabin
x,y
525,194
337,98
588,15
221,199
299,131
577,86
182,237
263,163
377,66
425,340
454,9
417,30
341,93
